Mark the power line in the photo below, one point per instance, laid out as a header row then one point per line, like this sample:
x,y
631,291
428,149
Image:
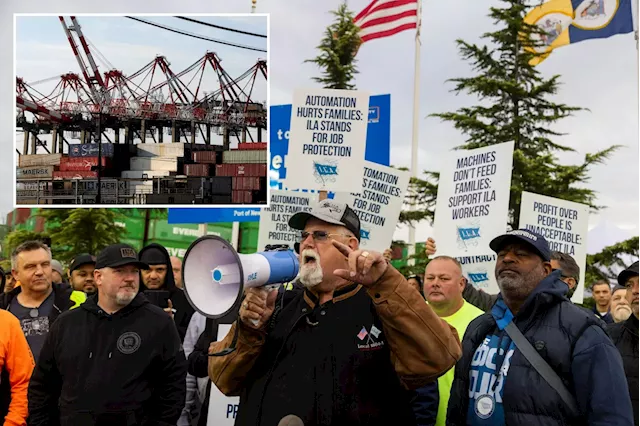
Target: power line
x,y
221,27
240,46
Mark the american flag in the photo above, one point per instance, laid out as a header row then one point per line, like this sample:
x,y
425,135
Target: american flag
x,y
363,333
384,18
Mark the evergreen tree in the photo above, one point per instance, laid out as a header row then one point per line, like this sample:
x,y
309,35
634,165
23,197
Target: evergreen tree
x,y
516,105
14,238
338,50
606,264
84,230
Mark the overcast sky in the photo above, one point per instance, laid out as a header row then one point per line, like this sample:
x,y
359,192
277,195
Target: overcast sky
x,y
600,75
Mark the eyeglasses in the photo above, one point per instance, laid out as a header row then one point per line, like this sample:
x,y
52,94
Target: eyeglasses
x,y
318,235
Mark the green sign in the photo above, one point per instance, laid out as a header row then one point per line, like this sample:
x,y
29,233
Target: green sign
x,y
175,248
136,244
185,232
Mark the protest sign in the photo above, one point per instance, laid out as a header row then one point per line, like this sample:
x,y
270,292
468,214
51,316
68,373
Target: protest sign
x,y
473,199
274,220
377,204
564,224
327,139
480,271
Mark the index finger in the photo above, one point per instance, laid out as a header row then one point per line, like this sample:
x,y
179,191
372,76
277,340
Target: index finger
x,y
343,248
169,303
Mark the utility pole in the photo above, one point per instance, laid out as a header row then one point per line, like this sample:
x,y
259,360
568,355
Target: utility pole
x,y
253,6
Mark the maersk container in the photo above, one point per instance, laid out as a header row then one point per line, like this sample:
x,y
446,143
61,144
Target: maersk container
x,y
204,157
246,183
160,149
39,160
35,172
244,156
75,174
154,163
76,164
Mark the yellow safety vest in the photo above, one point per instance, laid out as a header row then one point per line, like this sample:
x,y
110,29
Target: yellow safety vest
x,y
79,297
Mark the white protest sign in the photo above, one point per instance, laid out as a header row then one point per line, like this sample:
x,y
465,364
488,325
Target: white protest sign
x,y
327,139
564,224
222,408
480,271
378,204
473,199
274,220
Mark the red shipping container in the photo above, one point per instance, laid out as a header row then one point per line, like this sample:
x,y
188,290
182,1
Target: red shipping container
x,y
10,219
241,197
245,183
78,164
204,157
75,175
39,224
22,215
200,170
252,145
241,170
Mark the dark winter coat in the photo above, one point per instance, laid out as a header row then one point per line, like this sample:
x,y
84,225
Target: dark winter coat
x,y
573,343
99,369
625,336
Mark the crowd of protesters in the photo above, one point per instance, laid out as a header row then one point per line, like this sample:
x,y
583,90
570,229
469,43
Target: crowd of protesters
x,y
113,340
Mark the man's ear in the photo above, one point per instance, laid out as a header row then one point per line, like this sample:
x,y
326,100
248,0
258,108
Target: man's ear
x,y
353,244
547,267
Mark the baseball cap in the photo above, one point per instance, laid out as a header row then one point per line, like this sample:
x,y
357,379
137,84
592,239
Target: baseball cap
x,y
57,266
537,242
82,259
329,211
119,255
631,271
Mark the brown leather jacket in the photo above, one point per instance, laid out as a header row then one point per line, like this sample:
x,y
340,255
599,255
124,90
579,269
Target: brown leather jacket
x,y
423,347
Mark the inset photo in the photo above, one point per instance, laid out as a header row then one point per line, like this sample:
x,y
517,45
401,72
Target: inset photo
x,y
135,110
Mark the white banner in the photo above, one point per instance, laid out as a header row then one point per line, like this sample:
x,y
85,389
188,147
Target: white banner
x,y
378,204
473,199
480,271
222,408
564,224
327,139
274,220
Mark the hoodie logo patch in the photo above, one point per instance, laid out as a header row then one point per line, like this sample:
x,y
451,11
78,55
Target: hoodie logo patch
x,y
129,342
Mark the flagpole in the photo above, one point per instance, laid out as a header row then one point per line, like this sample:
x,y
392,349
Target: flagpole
x,y
637,33
416,127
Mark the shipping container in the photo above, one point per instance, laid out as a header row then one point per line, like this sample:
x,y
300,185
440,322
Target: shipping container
x,y
91,150
39,160
218,199
204,157
39,224
248,237
35,172
10,219
79,164
241,197
162,230
21,216
75,174
154,163
252,145
222,230
168,199
33,186
139,174
245,156
160,149
241,170
133,227
135,243
245,183
201,170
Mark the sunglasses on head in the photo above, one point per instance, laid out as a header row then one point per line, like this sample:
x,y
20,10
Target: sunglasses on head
x,y
318,235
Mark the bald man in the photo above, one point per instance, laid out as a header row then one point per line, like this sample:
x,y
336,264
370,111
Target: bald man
x,y
176,265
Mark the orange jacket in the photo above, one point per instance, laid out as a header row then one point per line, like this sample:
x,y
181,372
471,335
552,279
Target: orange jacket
x,y
16,358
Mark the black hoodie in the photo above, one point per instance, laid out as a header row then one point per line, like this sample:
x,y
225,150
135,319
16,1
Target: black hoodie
x,y
183,308
99,369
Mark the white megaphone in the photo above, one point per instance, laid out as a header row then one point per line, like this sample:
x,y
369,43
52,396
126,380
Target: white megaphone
x,y
215,275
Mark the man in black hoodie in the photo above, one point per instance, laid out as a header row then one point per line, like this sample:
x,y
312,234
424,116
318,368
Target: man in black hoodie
x,y
159,276
117,360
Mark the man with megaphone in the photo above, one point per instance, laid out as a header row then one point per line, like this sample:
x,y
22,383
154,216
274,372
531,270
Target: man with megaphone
x,y
342,348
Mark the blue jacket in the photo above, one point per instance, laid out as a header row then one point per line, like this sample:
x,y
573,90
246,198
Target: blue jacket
x,y
572,342
424,402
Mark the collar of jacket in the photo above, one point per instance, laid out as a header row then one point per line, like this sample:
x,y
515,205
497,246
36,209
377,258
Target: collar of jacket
x,y
61,298
549,291
338,295
91,305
